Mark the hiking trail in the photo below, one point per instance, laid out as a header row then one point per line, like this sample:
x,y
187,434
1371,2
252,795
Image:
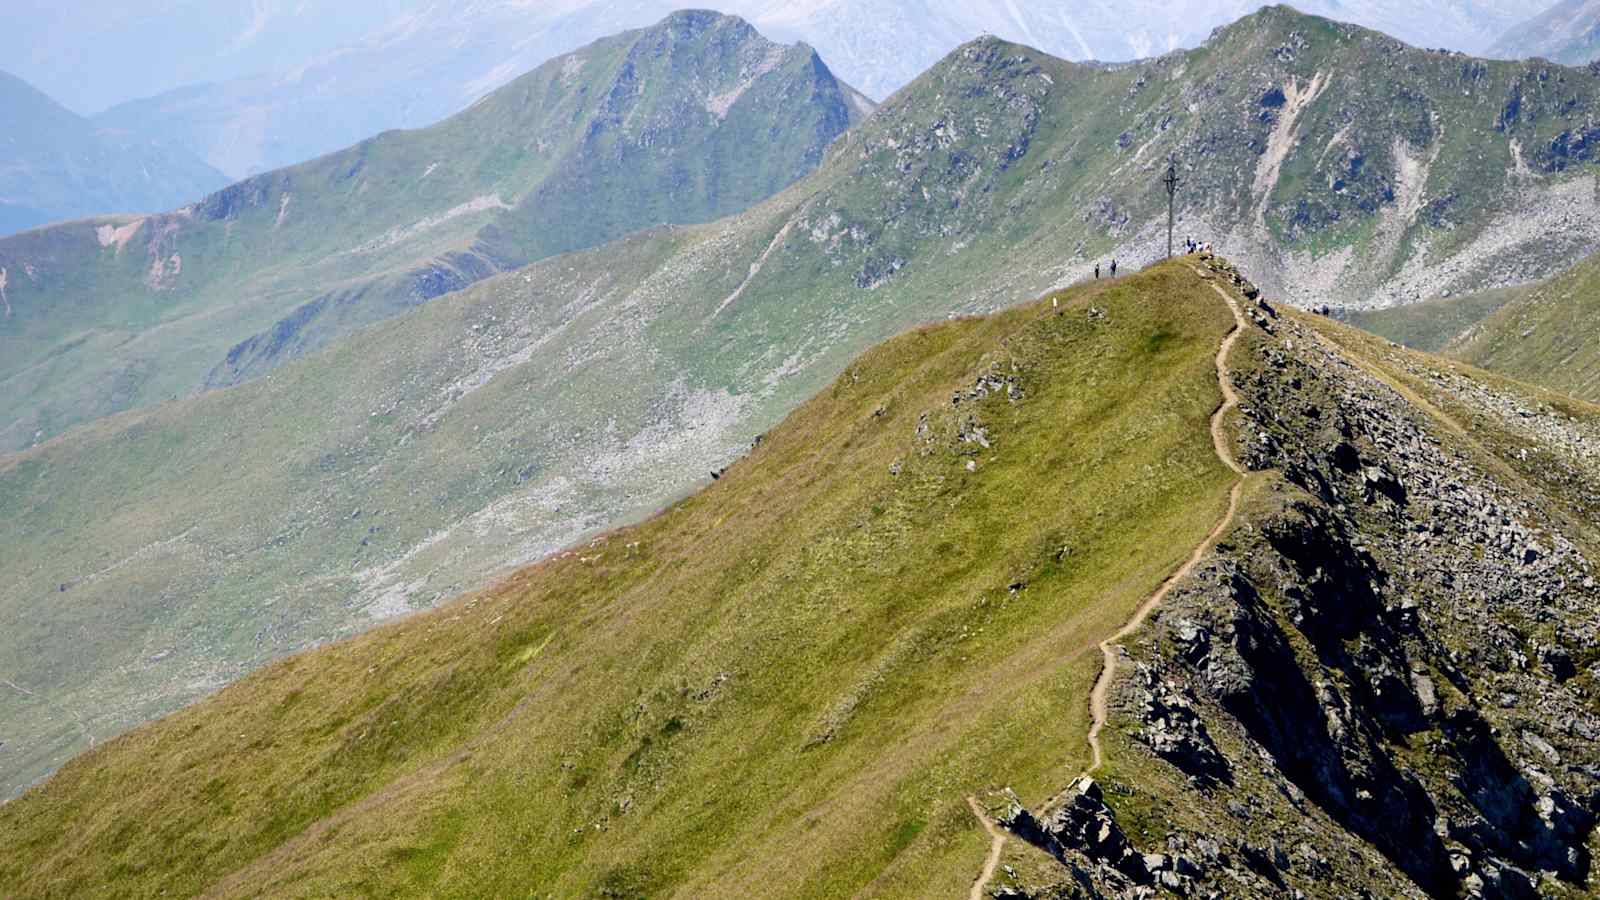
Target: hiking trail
x,y
997,843
1108,647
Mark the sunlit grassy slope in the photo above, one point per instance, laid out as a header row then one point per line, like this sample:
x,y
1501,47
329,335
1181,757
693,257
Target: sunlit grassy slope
x,y
1545,334
1432,324
154,556
781,686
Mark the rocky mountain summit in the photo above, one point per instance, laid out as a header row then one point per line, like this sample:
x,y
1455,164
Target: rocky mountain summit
x,y
1384,679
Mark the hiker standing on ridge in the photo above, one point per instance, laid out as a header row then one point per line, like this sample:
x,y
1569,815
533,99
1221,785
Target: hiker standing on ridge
x,y
1113,268
1096,271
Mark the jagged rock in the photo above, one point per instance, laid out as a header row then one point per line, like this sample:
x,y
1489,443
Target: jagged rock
x,y
1398,598
1174,731
1084,827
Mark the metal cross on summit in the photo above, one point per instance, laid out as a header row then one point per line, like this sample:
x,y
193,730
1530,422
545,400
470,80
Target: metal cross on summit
x,y
1171,181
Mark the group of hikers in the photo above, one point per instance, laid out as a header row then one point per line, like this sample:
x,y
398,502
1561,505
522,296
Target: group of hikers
x,y
1191,247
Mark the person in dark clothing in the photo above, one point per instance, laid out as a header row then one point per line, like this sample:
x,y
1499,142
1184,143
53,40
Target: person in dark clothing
x,y
1096,271
1113,268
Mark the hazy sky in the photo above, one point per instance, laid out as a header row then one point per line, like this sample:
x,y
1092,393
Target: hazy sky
x,y
92,54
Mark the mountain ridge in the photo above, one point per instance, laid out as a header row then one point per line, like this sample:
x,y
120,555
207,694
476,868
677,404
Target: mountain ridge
x,y
1568,32
893,602
55,165
425,65
282,263
499,423
798,614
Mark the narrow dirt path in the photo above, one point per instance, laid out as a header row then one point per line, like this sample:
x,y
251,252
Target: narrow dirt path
x,y
1108,647
997,843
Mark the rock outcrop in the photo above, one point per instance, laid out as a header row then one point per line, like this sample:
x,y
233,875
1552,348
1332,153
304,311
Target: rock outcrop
x,y
1382,683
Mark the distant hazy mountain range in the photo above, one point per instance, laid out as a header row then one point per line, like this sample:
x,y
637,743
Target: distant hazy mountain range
x,y
1568,32
54,164
328,84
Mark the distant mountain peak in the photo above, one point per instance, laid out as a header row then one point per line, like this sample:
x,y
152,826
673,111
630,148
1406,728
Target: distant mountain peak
x,y
1568,32
56,165
696,21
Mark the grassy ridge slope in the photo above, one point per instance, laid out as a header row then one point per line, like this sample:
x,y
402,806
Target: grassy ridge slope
x,y
489,427
1375,658
643,128
1432,324
1544,335
814,658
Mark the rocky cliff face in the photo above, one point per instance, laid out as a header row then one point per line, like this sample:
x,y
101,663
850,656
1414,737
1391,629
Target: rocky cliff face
x,y
1383,682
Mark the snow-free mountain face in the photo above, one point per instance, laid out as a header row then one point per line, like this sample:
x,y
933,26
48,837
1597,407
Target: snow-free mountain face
x,y
418,62
880,45
688,121
1568,32
494,424
56,165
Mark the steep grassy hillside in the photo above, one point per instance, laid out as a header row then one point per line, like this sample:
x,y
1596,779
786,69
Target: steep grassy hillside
x,y
884,621
1544,334
55,165
1568,32
688,121
1432,324
488,428
892,601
